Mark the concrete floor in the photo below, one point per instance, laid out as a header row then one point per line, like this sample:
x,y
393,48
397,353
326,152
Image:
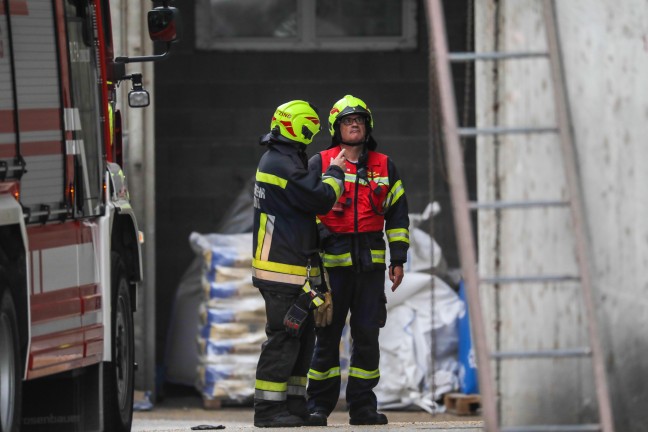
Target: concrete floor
x,y
181,413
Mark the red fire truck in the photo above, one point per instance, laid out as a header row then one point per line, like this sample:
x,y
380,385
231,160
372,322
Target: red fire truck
x,y
69,243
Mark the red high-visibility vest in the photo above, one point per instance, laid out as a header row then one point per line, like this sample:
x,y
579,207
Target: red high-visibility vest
x,y
354,213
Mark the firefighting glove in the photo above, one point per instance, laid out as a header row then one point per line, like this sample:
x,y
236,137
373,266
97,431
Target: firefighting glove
x,y
298,312
324,314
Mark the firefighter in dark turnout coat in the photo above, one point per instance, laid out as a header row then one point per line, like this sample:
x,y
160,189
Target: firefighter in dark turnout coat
x,y
373,202
287,196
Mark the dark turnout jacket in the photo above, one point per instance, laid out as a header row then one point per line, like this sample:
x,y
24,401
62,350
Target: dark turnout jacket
x,y
287,197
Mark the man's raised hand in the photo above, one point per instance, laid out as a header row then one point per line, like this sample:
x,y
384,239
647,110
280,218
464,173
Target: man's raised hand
x,y
340,160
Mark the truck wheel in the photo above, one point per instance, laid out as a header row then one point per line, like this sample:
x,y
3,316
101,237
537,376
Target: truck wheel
x,y
10,367
118,374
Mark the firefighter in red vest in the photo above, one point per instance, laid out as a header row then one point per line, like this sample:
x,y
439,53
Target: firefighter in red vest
x,y
352,241
286,262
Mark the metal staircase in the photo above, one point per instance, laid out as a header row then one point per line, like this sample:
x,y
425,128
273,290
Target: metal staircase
x,y
440,67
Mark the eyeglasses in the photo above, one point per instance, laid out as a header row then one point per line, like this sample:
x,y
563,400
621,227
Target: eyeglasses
x,y
348,121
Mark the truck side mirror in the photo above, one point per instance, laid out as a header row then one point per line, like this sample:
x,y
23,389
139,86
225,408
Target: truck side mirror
x,y
162,24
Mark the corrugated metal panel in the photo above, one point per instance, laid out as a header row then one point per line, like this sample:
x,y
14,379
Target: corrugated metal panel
x,y
6,95
43,184
7,137
37,81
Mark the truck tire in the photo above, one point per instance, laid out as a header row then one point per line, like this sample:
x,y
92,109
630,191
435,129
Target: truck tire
x,y
10,366
118,374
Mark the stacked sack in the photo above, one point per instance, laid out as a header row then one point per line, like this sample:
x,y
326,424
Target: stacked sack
x,y
419,343
232,318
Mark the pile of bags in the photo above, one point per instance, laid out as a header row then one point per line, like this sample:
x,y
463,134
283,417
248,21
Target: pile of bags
x,y
232,317
419,343
217,306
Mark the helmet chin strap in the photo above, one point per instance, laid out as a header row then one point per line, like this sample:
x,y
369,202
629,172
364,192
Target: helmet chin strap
x,y
357,144
353,144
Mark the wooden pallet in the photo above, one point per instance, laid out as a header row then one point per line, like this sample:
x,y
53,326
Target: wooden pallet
x,y
462,404
212,404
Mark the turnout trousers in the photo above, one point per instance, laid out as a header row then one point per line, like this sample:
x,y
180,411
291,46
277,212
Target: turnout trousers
x,y
280,385
362,294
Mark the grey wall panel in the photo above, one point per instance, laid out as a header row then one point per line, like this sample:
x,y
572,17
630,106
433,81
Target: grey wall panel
x,y
606,66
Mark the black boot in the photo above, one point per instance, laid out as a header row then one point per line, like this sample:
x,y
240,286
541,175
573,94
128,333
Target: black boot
x,y
368,417
317,418
280,420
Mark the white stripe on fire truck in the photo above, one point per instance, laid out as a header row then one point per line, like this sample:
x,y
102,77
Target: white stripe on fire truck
x,y
70,323
7,138
90,318
57,273
72,146
55,326
87,264
40,136
56,262
72,119
36,272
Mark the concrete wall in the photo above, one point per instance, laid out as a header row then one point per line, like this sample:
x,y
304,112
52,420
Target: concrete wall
x,y
212,106
605,46
130,38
